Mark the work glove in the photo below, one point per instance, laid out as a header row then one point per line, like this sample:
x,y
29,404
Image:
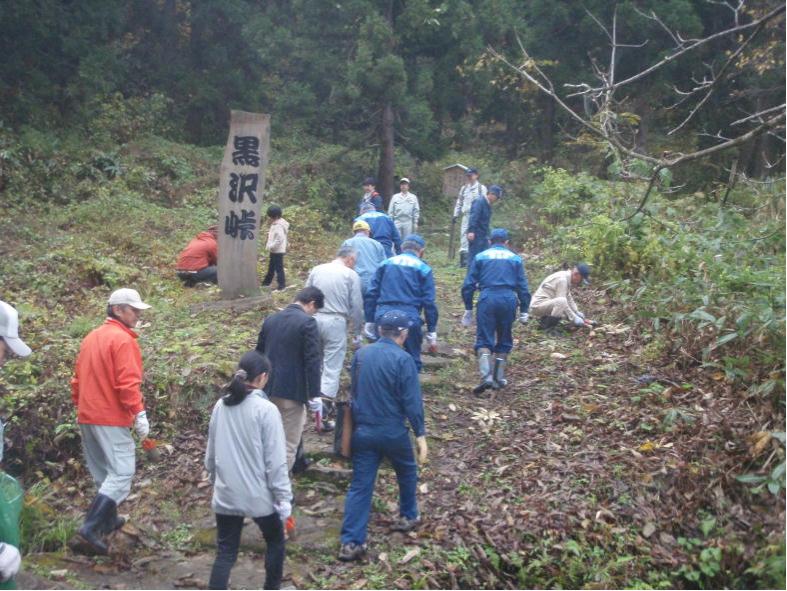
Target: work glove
x,y
357,342
284,509
315,405
10,560
141,425
423,451
467,318
581,315
370,331
524,317
579,321
431,339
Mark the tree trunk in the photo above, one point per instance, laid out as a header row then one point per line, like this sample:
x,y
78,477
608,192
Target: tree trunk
x,y
547,129
385,171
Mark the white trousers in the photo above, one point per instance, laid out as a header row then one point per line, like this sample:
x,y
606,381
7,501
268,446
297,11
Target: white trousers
x,y
554,307
333,335
463,245
110,456
405,228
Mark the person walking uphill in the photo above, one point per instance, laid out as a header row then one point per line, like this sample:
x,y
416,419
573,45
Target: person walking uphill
x,y
382,228
385,394
370,196
468,193
370,253
404,209
246,460
197,262
290,339
405,283
277,247
106,389
341,287
499,275
480,219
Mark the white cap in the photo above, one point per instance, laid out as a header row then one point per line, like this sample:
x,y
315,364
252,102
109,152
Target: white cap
x,y
129,297
404,179
9,330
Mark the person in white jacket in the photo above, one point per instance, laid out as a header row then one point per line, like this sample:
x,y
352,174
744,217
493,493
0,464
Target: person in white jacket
x,y
277,247
464,201
246,460
404,209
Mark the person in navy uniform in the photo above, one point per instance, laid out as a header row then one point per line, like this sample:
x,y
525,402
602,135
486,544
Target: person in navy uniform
x,y
480,218
383,229
385,397
405,282
370,196
499,274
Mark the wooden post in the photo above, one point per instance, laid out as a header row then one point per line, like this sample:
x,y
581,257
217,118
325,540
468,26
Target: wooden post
x,y
241,184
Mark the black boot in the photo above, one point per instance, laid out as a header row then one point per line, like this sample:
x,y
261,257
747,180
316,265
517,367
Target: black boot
x,y
462,258
115,521
301,462
100,520
548,322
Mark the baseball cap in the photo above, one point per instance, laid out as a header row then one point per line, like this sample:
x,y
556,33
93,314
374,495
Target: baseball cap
x,y
370,180
127,296
471,170
395,319
584,270
496,190
404,179
499,234
361,225
417,238
9,330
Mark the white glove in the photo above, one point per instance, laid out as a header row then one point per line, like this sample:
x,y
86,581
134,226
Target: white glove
x,y
370,330
579,321
467,318
315,405
10,561
141,425
357,342
284,509
431,338
581,315
524,317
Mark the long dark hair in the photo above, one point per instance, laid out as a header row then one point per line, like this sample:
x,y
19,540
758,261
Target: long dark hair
x,y
250,367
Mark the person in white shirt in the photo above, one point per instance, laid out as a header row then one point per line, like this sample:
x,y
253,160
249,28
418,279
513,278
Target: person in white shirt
x,y
404,209
467,194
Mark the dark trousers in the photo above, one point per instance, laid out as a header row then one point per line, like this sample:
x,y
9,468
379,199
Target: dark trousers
x,y
477,246
228,530
206,275
370,444
275,265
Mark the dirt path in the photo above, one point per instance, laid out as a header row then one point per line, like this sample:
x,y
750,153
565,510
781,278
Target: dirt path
x,y
585,471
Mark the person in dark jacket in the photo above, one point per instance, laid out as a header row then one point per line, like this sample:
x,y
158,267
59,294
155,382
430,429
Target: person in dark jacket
x,y
480,218
405,282
499,274
383,229
291,341
370,196
386,395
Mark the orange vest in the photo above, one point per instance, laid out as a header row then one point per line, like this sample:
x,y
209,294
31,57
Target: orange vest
x,y
108,376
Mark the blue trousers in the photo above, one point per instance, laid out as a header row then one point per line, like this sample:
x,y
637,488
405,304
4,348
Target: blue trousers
x,y
370,444
475,247
415,336
495,315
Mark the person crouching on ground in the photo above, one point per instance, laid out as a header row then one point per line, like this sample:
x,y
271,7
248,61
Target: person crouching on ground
x,y
106,389
246,460
197,262
385,395
553,301
277,247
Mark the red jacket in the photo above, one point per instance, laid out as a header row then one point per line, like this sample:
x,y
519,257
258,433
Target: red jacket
x,y
201,252
106,383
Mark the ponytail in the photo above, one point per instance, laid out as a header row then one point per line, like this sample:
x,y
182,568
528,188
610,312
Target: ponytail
x,y
251,366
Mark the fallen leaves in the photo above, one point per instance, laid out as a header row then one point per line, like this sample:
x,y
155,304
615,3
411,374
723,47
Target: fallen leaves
x,y
411,553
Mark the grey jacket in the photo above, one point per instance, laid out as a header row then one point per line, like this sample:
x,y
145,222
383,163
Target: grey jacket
x,y
246,457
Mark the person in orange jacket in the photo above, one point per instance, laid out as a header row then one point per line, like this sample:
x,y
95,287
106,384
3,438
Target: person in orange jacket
x,y
106,389
197,262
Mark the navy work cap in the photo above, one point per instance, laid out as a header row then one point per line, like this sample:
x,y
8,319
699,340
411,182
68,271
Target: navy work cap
x,y
496,190
417,238
471,170
499,234
395,319
370,181
584,271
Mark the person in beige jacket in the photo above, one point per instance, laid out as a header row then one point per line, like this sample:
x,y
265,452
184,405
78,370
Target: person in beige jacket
x,y
277,247
553,301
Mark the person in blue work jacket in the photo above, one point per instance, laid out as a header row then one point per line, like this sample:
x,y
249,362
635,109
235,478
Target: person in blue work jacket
x,y
480,218
499,274
370,253
383,229
385,396
405,282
